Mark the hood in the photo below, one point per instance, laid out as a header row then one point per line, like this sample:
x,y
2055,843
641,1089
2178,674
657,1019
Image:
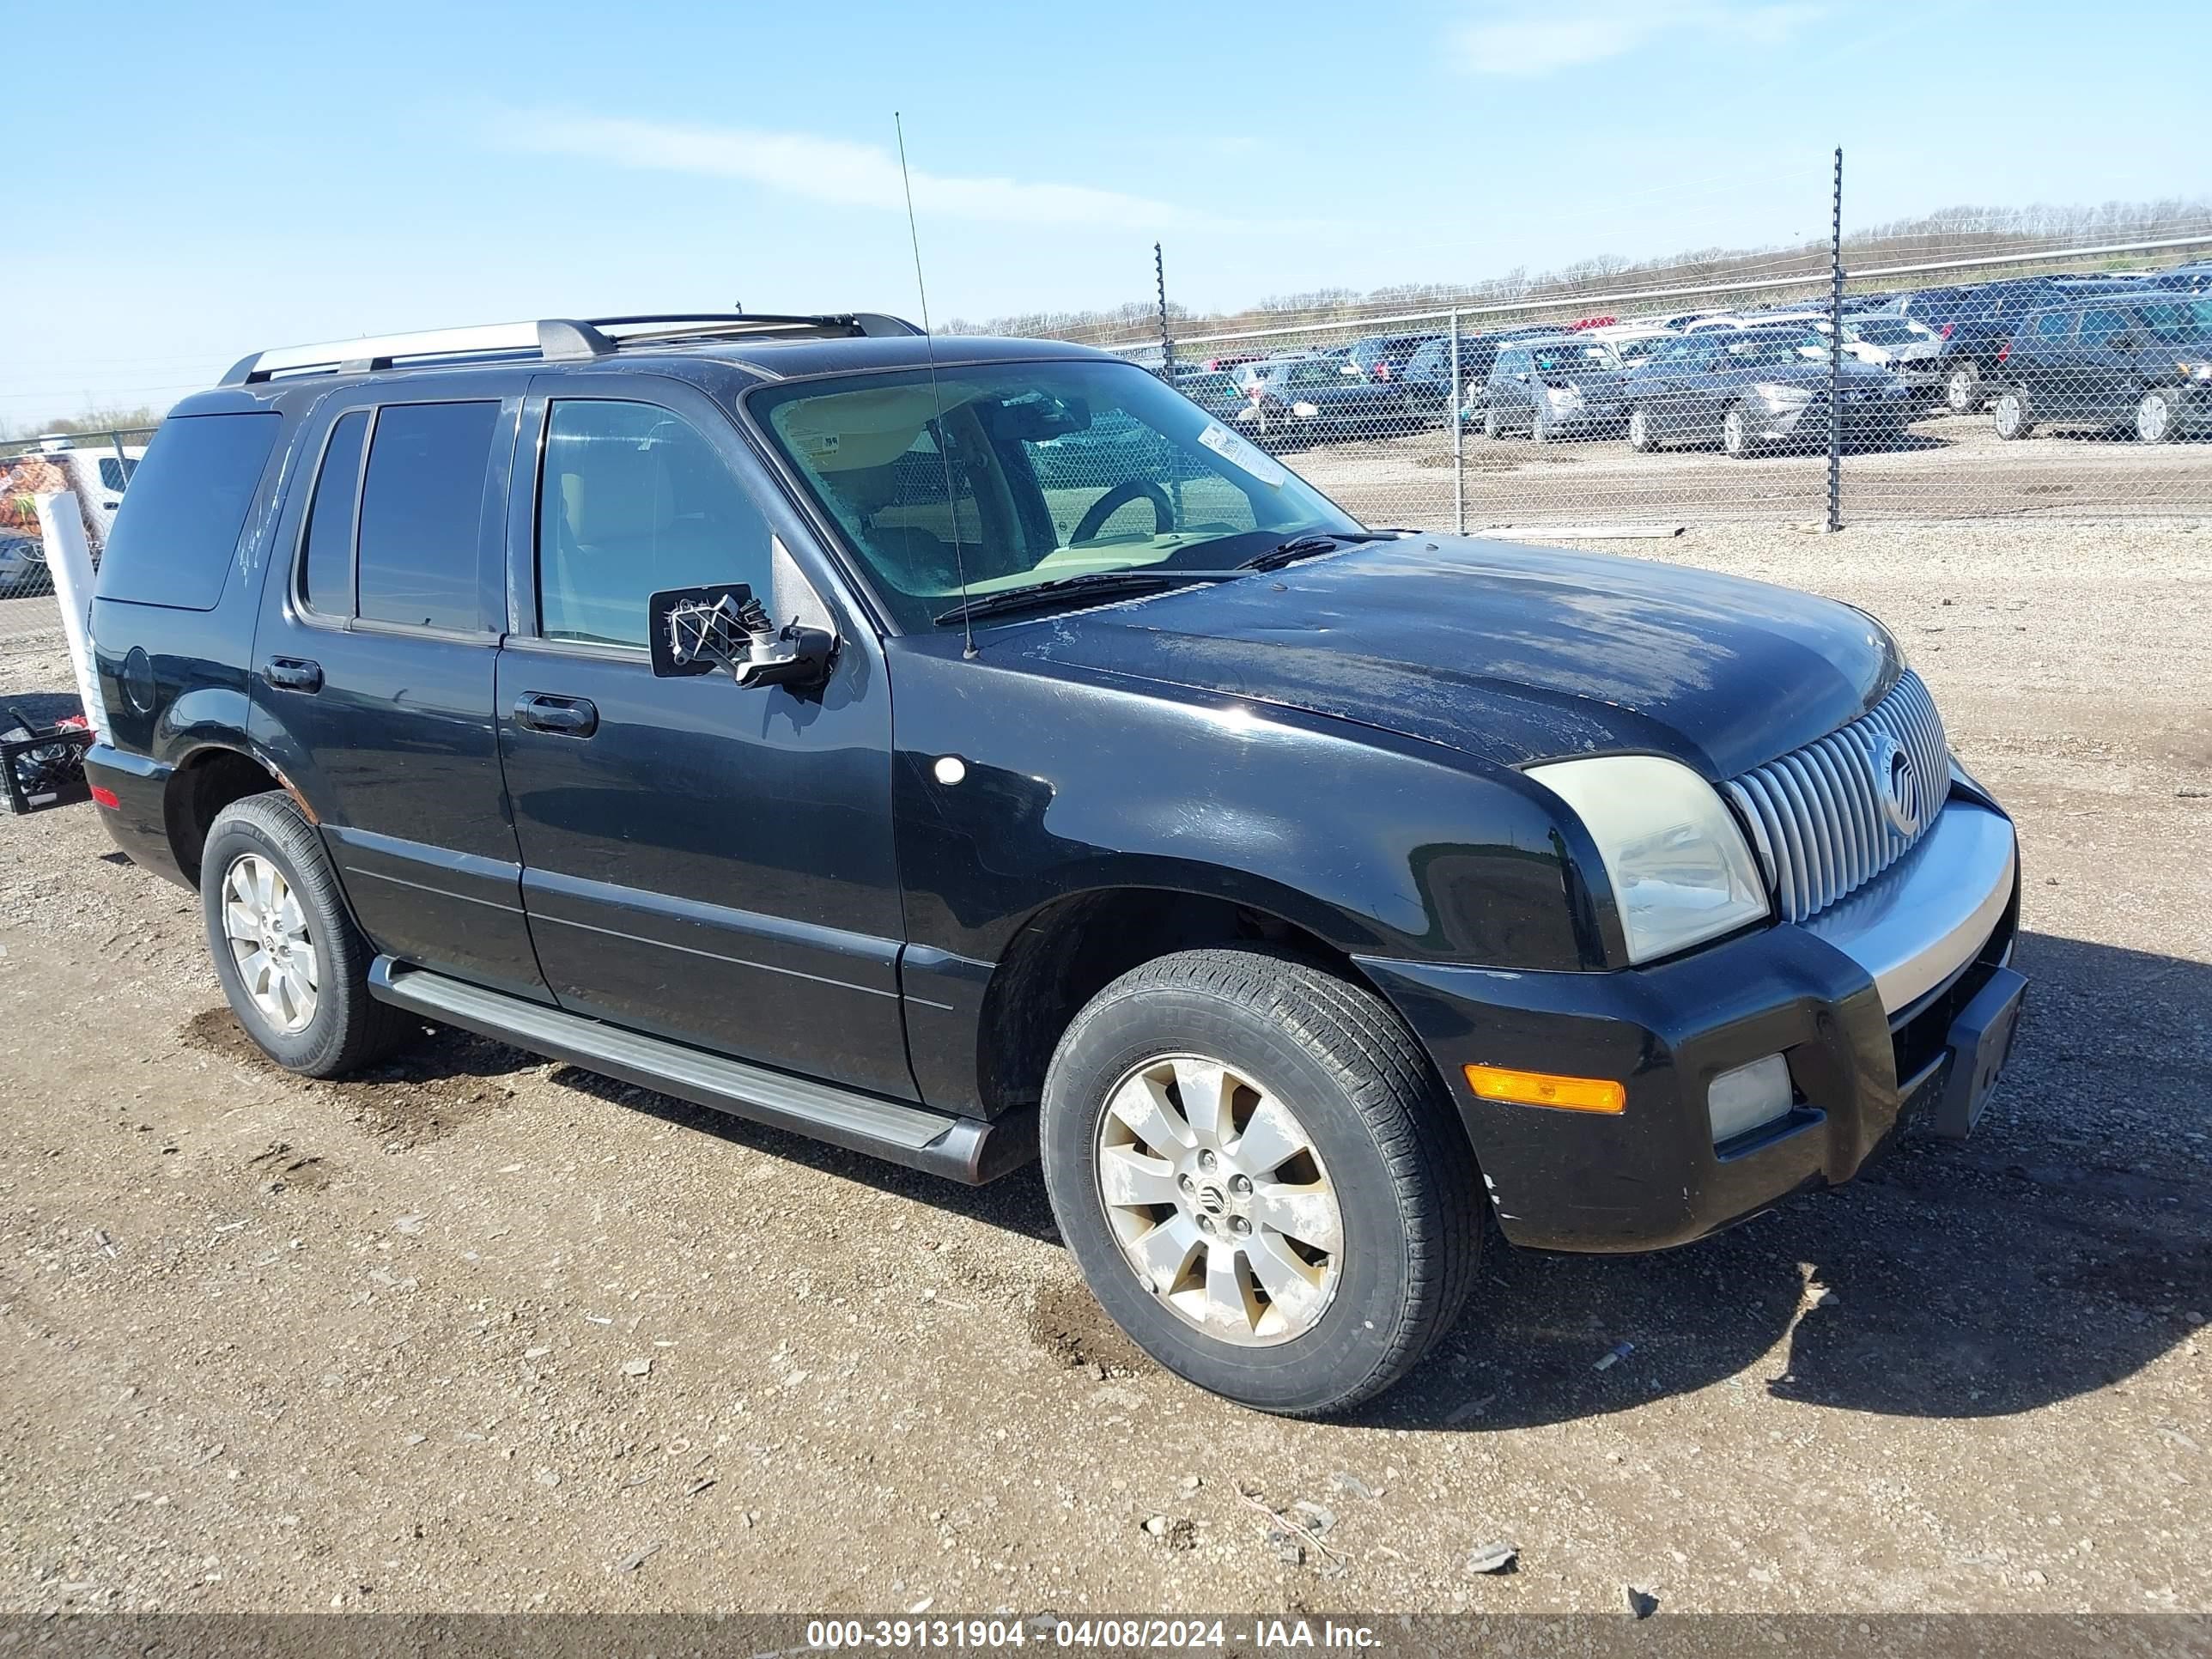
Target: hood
x,y
1509,652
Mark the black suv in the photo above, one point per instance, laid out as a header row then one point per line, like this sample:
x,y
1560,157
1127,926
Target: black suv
x,y
2124,358
729,706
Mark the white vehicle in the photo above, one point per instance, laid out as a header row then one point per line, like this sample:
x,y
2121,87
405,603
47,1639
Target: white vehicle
x,y
1633,343
97,474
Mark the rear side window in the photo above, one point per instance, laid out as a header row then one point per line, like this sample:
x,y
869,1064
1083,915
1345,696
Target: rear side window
x,y
2055,325
422,512
179,525
326,573
115,474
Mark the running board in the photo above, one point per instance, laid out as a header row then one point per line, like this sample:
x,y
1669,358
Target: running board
x,y
965,1149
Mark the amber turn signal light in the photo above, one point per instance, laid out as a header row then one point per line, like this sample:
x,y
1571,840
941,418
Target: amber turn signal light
x,y
1568,1094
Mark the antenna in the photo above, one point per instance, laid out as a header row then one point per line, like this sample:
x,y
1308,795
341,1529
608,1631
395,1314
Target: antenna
x,y
944,443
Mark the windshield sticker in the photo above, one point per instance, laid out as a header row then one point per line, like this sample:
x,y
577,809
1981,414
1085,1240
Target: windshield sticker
x,y
1240,453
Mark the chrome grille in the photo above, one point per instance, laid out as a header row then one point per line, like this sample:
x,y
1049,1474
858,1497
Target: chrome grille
x,y
1829,817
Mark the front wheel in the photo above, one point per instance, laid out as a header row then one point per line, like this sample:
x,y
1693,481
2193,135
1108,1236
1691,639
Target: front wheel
x,y
2154,417
1490,427
1735,433
2009,413
291,963
1641,438
1253,1167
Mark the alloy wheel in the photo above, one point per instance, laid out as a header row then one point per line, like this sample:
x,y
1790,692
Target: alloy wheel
x,y
2153,418
1733,436
1958,389
1219,1201
1639,429
267,931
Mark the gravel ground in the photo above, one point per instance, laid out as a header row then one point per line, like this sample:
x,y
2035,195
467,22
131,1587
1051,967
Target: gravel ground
x,y
482,1332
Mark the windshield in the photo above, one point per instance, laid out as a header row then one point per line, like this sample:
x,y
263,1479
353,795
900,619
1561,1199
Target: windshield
x,y
1775,350
1632,352
1057,469
1584,354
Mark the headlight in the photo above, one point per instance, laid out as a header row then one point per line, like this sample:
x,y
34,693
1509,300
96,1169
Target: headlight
x,y
1680,871
1783,397
1565,397
2190,370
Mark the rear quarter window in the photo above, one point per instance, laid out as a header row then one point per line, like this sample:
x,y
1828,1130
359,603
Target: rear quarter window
x,y
179,524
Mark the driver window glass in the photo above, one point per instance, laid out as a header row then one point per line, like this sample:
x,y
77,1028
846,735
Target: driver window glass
x,y
2101,325
632,501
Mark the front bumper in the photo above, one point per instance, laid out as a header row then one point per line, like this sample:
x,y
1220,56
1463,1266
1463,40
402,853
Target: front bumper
x,y
1872,1004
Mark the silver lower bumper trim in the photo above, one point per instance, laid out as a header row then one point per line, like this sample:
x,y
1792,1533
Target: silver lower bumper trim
x,y
1928,913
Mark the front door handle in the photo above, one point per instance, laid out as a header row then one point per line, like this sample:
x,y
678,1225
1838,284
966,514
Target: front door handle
x,y
565,717
294,674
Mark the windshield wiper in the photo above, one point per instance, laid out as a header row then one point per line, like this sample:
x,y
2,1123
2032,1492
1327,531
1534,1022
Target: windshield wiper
x,y
1085,586
1306,546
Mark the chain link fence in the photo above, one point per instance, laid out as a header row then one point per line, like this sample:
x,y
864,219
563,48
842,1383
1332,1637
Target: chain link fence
x,y
1998,386
95,467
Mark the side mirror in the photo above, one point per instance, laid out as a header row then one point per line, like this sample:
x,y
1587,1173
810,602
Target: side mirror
x,y
697,630
2126,342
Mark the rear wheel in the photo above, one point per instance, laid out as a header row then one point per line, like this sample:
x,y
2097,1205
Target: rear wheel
x,y
292,963
1962,387
1252,1164
2009,413
1541,429
1490,429
2154,417
1641,438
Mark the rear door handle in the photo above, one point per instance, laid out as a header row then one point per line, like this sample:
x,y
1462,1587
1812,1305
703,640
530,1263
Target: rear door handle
x,y
294,674
565,717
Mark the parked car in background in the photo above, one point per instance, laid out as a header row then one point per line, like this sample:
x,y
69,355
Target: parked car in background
x,y
1307,398
1567,386
1427,379
1217,393
1384,356
1972,324
1911,351
22,566
1757,389
2110,361
1635,342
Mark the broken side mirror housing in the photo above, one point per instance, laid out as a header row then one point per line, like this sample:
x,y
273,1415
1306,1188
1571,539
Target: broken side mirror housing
x,y
697,630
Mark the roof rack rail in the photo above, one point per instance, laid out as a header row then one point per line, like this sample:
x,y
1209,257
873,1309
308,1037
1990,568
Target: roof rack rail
x,y
554,339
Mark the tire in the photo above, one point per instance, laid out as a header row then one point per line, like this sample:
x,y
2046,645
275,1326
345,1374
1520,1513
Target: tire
x,y
2156,418
1641,438
1384,1184
2010,415
1962,387
265,836
1541,429
1735,433
1490,427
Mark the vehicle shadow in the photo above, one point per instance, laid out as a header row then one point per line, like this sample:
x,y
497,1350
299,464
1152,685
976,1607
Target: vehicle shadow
x,y
2062,1249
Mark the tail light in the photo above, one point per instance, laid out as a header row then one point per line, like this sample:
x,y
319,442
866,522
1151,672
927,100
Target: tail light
x,y
2004,351
1948,327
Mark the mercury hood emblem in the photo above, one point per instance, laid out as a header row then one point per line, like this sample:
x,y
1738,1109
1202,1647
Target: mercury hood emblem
x,y
1896,785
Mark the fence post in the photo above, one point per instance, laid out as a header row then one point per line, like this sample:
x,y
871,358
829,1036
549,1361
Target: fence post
x,y
1459,437
1836,351
1167,339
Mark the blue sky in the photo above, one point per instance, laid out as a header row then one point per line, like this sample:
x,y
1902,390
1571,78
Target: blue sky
x,y
243,177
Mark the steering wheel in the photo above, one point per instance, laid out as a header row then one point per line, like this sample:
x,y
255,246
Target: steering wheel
x,y
1119,497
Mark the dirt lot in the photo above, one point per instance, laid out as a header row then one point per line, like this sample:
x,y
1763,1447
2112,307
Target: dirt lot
x,y
481,1332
